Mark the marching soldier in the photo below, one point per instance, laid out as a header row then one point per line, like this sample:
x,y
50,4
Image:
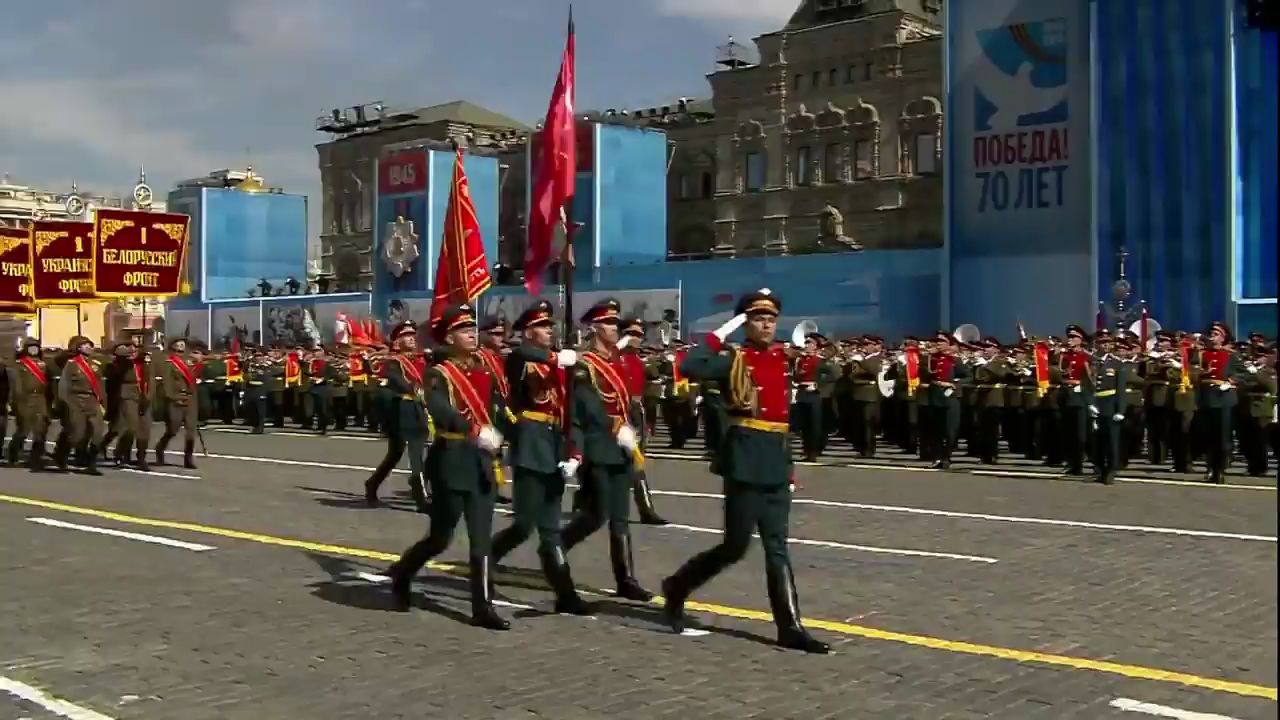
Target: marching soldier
x,y
679,401
610,448
1218,373
493,353
130,389
1075,399
358,381
260,374
180,380
1157,397
211,380
538,454
318,402
406,423
1260,433
81,390
1107,408
468,408
30,398
340,390
229,400
1185,405
629,358
756,466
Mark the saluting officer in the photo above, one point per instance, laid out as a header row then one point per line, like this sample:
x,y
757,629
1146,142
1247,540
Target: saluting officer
x,y
755,463
405,421
30,398
81,390
538,454
467,408
180,378
610,447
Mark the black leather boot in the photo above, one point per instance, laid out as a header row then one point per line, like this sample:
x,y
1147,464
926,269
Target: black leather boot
x,y
556,568
143,465
624,569
401,587
61,452
160,448
674,594
91,460
786,614
644,500
188,454
482,612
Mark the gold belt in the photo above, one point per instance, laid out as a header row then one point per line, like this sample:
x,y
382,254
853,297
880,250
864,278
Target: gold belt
x,y
539,417
996,386
453,436
758,424
1104,393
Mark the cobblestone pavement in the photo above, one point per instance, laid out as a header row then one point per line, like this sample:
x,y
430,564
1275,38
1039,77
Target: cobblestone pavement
x,y
946,595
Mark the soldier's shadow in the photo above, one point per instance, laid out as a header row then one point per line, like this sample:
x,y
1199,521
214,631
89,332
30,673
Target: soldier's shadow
x,y
399,501
649,617
344,587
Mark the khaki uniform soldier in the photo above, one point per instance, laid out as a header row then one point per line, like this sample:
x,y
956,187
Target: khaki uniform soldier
x,y
991,374
1158,401
179,376
29,395
129,380
83,395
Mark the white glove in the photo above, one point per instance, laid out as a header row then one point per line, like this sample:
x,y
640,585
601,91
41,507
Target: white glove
x,y
1225,386
901,358
568,468
697,400
1026,372
566,358
727,329
1078,388
857,357
1253,369
489,438
1093,411
1117,417
948,392
669,357
622,343
1176,364
627,439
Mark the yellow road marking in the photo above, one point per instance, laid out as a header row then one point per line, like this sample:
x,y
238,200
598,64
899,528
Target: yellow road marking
x,y
842,628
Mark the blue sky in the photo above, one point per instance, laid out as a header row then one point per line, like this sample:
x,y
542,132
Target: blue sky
x,y
91,89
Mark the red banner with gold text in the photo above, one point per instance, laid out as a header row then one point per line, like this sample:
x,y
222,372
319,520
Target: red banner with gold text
x,y
15,272
138,253
61,262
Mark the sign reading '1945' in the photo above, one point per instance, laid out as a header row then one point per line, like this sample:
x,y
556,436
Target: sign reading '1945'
x,y
15,272
402,172
138,253
61,261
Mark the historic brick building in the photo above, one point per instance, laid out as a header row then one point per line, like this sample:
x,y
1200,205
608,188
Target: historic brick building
x,y
841,112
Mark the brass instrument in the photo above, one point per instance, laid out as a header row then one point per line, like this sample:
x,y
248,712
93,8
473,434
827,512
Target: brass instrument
x,y
802,330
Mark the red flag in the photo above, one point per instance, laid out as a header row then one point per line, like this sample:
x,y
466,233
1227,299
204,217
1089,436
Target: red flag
x,y
555,172
462,272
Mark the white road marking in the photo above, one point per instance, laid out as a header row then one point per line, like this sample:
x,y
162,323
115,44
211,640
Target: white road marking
x,y
694,632
136,471
1130,705
38,697
846,546
1015,519
153,539
377,579
1124,479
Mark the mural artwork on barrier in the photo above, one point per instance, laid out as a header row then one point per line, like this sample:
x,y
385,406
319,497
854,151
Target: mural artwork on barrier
x,y
228,322
1021,222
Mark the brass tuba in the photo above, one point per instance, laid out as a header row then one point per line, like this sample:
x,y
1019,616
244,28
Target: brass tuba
x,y
1153,327
803,329
967,333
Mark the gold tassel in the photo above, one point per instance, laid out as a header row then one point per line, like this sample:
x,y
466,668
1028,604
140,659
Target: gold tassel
x,y
637,458
498,477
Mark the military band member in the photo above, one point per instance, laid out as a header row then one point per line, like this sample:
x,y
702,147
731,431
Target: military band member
x,y
357,406
1260,432
467,408
208,387
130,388
632,335
1218,372
317,404
406,424
84,399
233,391
808,402
30,398
538,451
259,373
862,373
1107,408
939,382
179,376
1075,399
991,373
1157,397
756,465
679,402
610,448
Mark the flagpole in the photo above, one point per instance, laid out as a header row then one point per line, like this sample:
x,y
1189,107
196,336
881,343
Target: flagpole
x,y
570,331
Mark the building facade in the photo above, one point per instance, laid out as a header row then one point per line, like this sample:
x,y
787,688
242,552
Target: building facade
x,y
831,141
348,163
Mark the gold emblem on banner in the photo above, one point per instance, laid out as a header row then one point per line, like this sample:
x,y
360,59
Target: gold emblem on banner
x,y
111,226
175,231
45,238
10,243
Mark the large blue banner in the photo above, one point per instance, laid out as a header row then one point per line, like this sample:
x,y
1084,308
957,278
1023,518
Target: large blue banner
x,y
1019,180
248,237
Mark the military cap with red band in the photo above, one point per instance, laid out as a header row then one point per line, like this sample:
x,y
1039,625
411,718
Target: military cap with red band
x,y
633,326
539,313
761,301
605,311
456,317
401,329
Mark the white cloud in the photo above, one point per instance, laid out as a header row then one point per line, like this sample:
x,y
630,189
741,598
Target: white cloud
x,y
752,11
